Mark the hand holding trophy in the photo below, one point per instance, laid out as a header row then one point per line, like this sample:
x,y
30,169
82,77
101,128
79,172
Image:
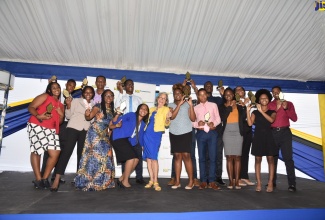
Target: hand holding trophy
x,y
53,79
283,102
220,87
119,110
207,117
49,109
237,96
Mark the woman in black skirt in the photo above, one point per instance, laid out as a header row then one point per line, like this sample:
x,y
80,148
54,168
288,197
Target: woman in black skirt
x,y
263,142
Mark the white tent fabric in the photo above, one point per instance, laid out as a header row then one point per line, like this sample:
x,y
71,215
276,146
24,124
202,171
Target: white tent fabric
x,y
247,38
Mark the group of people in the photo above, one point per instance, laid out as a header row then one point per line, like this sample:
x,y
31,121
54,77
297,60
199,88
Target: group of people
x,y
98,123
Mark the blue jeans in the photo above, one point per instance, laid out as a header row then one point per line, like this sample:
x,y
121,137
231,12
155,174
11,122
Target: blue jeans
x,y
207,142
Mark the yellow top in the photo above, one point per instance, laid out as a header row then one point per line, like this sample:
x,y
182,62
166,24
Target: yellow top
x,y
160,118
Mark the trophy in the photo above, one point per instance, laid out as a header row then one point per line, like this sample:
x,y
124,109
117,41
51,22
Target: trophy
x,y
65,93
207,117
220,84
120,110
49,109
253,101
187,92
84,82
53,79
237,96
123,81
188,76
281,96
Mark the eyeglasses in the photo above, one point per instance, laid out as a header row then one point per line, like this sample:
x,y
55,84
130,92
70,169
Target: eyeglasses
x,y
108,96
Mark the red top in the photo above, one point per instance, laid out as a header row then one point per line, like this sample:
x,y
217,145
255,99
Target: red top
x,y
283,116
52,123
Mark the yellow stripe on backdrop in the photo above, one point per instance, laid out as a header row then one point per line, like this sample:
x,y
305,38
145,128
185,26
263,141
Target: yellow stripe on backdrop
x,y
321,100
308,137
13,104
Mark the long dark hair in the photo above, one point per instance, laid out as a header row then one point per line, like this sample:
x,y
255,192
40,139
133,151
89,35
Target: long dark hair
x,y
103,104
49,91
145,118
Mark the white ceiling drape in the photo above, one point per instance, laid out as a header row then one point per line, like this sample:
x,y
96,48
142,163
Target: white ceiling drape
x,y
247,38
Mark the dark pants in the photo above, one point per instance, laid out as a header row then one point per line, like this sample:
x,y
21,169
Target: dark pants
x,y
139,167
63,141
283,141
193,158
219,157
75,136
207,142
247,142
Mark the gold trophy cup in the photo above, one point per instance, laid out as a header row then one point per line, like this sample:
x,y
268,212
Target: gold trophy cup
x,y
49,109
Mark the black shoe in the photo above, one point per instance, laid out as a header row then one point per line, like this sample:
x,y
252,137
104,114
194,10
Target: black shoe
x,y
292,188
220,182
61,180
274,185
140,181
38,184
46,184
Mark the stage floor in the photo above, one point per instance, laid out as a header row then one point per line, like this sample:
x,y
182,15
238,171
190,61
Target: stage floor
x,y
18,196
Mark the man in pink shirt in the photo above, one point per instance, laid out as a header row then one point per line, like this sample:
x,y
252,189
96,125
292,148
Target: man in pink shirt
x,y
207,118
285,111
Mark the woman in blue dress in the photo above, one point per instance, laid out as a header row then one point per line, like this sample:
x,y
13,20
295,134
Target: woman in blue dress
x,y
96,170
159,118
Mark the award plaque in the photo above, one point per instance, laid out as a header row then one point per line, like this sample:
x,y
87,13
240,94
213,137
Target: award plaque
x,y
120,110
123,81
220,84
281,96
84,82
65,93
188,76
49,109
207,117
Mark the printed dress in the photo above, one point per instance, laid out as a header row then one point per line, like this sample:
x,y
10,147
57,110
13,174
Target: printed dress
x,y
96,170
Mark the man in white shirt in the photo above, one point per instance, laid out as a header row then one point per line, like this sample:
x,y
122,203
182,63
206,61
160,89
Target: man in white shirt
x,y
132,102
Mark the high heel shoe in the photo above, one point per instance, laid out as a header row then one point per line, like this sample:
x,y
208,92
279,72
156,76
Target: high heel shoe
x,y
118,182
189,187
149,185
46,183
54,189
258,189
176,186
38,184
156,186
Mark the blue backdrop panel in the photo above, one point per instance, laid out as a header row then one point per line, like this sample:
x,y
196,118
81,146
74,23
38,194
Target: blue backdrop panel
x,y
43,71
308,160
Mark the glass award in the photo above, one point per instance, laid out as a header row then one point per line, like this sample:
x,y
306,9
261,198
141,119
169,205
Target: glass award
x,y
49,109
120,110
207,117
281,96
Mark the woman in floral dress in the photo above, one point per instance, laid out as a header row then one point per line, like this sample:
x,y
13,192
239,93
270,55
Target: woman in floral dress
x,y
96,170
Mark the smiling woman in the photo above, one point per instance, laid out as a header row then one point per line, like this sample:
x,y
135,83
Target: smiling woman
x,y
43,130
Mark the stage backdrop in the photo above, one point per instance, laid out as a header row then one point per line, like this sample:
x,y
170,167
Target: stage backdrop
x,y
15,152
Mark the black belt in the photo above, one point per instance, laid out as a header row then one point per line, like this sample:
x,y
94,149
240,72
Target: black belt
x,y
279,128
